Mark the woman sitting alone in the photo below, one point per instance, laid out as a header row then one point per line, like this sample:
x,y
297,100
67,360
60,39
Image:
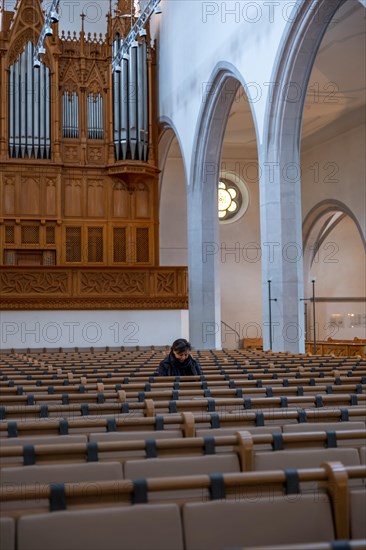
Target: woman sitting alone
x,y
179,362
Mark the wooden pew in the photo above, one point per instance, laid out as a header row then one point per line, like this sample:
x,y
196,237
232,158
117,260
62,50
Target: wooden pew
x,y
246,446
231,498
186,422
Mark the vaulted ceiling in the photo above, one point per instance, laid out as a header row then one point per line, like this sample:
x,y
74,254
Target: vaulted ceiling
x,y
336,95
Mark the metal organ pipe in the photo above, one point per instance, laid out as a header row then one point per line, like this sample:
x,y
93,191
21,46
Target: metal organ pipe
x,y
63,114
70,115
132,99
23,104
130,102
124,106
41,111
29,99
96,117
100,116
11,111
16,108
142,115
92,110
67,103
29,108
145,99
48,114
88,113
36,112
70,122
76,98
93,113
116,104
140,103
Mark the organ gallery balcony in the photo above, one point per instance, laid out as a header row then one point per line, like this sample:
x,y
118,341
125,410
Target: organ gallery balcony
x,y
93,288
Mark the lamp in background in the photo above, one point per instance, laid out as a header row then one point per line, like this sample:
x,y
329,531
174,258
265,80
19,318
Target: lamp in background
x,y
312,299
313,279
337,319
151,7
270,299
51,18
54,16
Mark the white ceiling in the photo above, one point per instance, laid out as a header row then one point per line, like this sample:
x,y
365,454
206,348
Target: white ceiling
x,y
336,94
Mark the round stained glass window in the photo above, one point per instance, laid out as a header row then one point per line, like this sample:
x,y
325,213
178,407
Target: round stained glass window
x,y
231,205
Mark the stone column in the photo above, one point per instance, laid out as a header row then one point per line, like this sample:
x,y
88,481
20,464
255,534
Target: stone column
x,y
203,220
282,259
203,268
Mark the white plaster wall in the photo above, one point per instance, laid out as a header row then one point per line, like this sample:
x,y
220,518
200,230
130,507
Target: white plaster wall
x,y
240,262
173,214
240,270
197,36
53,329
336,169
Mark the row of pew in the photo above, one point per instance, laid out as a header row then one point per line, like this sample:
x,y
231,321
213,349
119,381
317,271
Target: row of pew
x,y
263,450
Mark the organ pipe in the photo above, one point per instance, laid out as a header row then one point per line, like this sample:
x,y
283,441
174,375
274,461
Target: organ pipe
x,y
132,99
94,116
124,91
36,114
29,108
48,113
130,103
70,115
11,112
140,102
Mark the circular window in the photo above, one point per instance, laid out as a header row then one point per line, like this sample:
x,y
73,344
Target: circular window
x,y
233,199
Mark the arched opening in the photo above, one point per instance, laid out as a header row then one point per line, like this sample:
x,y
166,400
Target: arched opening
x,y
281,175
172,201
205,247
333,173
240,252
335,258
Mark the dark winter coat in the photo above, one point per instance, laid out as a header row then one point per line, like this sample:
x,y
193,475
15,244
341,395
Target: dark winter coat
x,y
170,366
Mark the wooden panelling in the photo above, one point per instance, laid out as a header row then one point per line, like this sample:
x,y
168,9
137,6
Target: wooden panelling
x,y
93,288
80,207
338,349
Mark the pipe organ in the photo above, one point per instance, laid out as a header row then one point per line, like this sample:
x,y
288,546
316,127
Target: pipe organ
x,y
78,169
95,116
29,107
130,103
70,115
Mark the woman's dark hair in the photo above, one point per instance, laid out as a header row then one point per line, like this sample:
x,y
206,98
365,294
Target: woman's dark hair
x,y
181,345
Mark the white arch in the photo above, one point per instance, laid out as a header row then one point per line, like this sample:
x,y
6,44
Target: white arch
x,y
280,157
203,224
316,228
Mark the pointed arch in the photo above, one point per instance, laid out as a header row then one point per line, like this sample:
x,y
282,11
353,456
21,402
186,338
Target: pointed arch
x,y
95,76
172,197
69,74
318,224
203,222
218,98
280,157
168,132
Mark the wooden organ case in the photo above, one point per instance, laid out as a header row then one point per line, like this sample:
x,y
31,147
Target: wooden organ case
x,y
78,170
